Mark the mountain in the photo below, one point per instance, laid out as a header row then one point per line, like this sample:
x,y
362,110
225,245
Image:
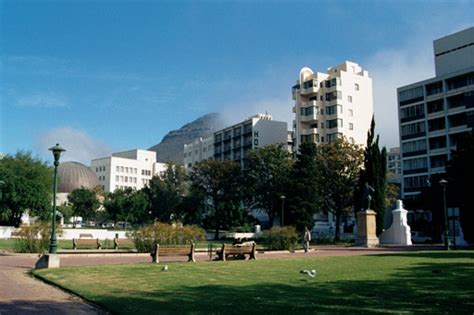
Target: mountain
x,y
171,147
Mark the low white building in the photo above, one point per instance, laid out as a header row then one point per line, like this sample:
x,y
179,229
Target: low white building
x,y
133,168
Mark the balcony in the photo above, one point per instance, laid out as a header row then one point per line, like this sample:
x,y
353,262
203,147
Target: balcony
x,y
310,118
310,131
310,90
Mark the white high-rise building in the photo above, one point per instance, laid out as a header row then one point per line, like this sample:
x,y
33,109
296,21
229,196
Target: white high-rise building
x,y
435,113
234,142
333,104
133,168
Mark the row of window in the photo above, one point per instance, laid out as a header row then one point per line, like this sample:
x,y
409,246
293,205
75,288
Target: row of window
x,y
125,169
100,169
125,179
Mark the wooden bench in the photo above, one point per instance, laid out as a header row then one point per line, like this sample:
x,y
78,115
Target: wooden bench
x,y
78,241
124,242
237,250
158,251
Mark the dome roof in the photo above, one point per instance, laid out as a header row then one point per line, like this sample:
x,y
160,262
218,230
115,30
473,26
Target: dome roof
x,y
73,175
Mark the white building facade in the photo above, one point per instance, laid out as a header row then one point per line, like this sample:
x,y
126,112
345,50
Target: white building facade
x,y
434,113
331,105
235,142
133,168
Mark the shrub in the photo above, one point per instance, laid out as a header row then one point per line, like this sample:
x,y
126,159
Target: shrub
x,y
34,238
281,238
165,234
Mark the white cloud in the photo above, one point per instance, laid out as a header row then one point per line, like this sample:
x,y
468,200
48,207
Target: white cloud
x,y
42,100
80,147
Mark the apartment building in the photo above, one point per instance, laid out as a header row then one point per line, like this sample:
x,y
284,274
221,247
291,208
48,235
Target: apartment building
x,y
394,161
333,104
133,168
434,113
236,141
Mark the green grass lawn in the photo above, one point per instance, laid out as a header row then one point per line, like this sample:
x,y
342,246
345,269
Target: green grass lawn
x,y
430,282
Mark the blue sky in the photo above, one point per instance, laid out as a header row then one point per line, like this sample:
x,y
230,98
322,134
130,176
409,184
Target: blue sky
x,y
103,76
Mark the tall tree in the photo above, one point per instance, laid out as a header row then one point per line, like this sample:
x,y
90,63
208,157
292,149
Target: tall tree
x,y
339,164
302,198
460,172
375,174
219,183
28,187
84,202
166,193
266,179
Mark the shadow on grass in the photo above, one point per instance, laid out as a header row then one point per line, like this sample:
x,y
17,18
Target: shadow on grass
x,y
432,288
46,307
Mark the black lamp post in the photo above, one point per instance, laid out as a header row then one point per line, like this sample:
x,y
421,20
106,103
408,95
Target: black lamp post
x,y
443,183
53,245
282,197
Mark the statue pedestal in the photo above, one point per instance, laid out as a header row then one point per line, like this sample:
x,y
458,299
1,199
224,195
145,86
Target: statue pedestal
x,y
399,231
47,261
366,229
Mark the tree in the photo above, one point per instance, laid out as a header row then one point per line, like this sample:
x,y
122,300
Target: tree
x,y
374,174
460,171
127,205
266,179
28,187
84,202
339,164
302,197
166,193
219,183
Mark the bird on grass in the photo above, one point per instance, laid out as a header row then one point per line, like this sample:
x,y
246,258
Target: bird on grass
x,y
310,273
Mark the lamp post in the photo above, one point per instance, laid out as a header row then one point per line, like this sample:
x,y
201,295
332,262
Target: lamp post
x,y
443,183
57,150
282,197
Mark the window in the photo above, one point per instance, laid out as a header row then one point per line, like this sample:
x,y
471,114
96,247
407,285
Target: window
x,y
204,149
121,169
351,126
435,106
351,113
335,95
412,112
356,87
437,143
438,160
117,178
349,98
436,124
411,96
307,111
331,110
416,182
414,146
413,129
126,170
434,88
333,123
416,163
195,152
333,136
322,126
96,169
351,140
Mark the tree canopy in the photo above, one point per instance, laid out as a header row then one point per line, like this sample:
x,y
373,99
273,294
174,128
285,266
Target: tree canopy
x,y
84,202
28,187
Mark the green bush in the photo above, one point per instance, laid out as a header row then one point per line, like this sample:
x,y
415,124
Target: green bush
x,y
281,238
34,238
165,234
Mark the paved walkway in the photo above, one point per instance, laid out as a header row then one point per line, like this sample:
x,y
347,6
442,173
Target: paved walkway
x,y
20,293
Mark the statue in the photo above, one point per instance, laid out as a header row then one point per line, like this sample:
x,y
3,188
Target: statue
x,y
367,196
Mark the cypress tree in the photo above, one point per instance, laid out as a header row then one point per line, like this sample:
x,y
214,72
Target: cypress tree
x,y
375,174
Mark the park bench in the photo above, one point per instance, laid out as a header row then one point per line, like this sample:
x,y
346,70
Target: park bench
x,y
124,242
172,250
238,250
86,239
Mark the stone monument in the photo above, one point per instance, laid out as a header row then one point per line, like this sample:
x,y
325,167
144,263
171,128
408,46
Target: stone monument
x,y
366,225
399,232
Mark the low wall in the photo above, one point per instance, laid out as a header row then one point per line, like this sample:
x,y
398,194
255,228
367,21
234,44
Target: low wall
x,y
69,234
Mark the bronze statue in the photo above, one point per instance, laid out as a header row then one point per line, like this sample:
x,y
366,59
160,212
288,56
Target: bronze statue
x,y
367,196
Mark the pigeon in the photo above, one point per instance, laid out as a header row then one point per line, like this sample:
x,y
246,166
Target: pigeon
x,y
165,268
311,273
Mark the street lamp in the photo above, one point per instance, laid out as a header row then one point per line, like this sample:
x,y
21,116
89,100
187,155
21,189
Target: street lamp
x,y
443,183
282,197
57,150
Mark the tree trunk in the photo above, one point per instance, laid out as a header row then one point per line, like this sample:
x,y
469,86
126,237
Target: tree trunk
x,y
338,226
